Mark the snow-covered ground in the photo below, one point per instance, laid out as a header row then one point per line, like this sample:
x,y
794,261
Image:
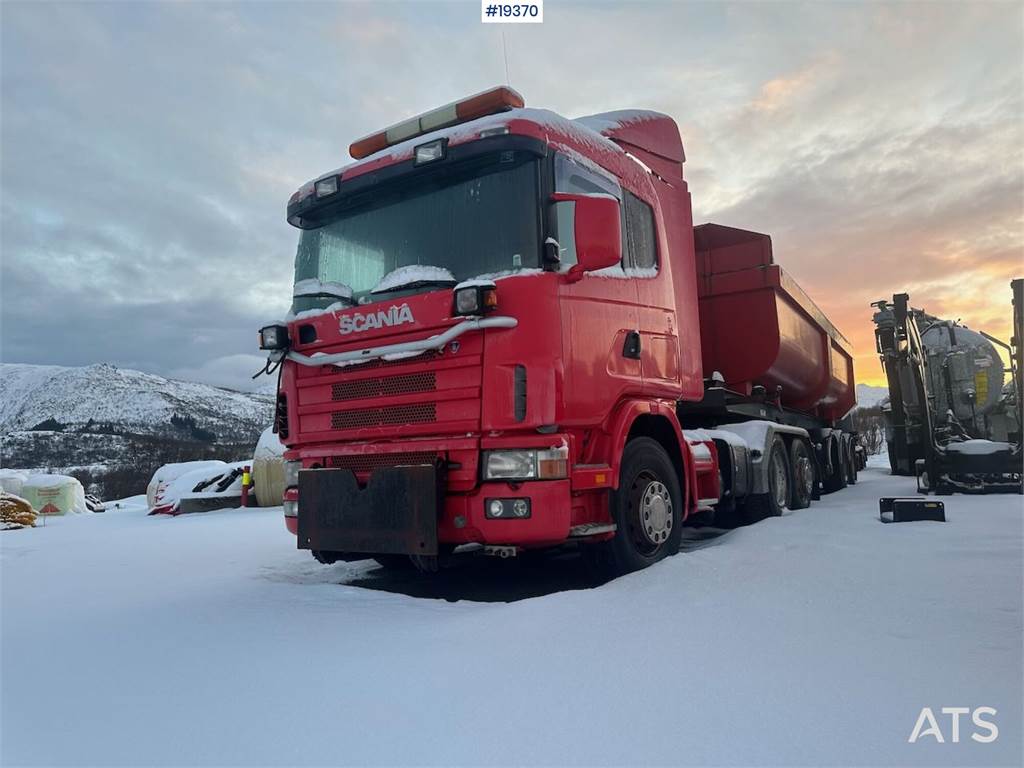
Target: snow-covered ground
x,y
814,639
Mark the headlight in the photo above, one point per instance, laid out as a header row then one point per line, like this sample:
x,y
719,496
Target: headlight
x,y
511,465
549,464
291,508
274,337
475,298
291,473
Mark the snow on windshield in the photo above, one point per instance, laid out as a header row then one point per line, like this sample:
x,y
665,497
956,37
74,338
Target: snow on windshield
x,y
412,273
314,287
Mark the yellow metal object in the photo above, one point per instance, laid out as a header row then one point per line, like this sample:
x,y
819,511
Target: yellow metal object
x,y
981,387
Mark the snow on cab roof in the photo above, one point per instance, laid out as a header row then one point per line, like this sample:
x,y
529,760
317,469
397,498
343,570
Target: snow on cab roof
x,y
554,125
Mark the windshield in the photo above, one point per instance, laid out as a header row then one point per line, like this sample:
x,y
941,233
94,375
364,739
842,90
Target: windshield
x,y
481,219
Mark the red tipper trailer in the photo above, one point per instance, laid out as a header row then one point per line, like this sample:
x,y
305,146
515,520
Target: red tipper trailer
x,y
507,334
758,327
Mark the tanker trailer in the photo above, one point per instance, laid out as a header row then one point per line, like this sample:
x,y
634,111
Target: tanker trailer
x,y
951,419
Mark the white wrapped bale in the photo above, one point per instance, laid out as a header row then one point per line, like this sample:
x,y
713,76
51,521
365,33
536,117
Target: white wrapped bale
x,y
11,480
268,469
54,494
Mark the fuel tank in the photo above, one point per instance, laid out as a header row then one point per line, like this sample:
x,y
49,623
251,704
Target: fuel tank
x,y
758,327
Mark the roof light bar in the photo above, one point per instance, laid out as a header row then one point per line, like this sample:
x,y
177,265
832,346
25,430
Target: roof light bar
x,y
489,102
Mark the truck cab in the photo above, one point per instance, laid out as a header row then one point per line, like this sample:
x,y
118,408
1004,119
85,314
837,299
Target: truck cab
x,y
495,318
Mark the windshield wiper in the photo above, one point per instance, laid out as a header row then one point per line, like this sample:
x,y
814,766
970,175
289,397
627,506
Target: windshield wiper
x,y
332,298
416,284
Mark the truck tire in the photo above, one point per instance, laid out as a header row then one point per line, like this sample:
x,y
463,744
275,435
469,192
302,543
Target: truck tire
x,y
835,479
647,509
780,487
851,462
802,467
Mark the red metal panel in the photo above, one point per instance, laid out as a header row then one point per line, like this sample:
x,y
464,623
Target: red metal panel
x,y
727,249
759,327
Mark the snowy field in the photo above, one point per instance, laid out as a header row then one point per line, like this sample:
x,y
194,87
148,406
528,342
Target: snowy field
x,y
814,639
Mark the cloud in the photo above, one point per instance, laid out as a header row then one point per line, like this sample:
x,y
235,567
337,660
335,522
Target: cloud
x,y
148,149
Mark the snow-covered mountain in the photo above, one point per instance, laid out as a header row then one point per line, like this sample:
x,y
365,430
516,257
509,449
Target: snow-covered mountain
x,y
129,401
868,396
62,416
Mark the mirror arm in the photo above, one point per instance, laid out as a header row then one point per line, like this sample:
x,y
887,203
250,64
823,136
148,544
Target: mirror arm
x,y
575,274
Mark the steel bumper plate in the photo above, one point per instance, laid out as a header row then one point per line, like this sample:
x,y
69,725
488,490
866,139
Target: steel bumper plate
x,y
396,513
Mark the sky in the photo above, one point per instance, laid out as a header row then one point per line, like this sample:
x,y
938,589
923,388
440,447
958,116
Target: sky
x,y
147,150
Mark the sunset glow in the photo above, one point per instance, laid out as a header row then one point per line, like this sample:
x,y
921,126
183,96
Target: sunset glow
x,y
881,145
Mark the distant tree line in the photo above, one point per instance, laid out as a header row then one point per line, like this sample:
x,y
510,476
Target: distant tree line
x,y
118,462
129,478
179,424
871,426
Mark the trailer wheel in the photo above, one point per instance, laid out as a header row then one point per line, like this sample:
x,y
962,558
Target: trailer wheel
x,y
803,475
780,485
851,462
835,479
647,509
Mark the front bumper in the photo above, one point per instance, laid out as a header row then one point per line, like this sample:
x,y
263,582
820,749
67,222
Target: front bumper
x,y
463,519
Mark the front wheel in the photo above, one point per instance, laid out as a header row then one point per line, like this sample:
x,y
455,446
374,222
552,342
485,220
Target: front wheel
x,y
647,509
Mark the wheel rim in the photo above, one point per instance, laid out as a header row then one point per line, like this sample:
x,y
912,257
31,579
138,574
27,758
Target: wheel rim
x,y
652,513
780,483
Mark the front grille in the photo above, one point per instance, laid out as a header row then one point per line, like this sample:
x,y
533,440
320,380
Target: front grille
x,y
368,463
417,413
385,386
281,417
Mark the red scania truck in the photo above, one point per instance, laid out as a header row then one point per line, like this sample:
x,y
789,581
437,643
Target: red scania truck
x,y
506,332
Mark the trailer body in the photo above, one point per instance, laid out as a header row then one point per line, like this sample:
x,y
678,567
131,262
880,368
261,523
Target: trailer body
x,y
600,382
758,327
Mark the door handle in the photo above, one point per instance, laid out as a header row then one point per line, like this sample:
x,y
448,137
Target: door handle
x,y
631,347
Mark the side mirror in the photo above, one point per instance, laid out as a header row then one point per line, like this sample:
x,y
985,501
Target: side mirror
x,y
597,231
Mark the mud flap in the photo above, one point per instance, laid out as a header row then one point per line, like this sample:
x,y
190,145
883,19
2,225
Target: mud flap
x,y
396,513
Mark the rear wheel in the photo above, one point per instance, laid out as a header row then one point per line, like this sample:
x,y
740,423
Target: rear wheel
x,y
836,478
803,475
780,483
647,509
851,462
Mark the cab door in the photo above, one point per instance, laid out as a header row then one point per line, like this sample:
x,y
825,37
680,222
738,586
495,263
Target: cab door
x,y
599,314
658,336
